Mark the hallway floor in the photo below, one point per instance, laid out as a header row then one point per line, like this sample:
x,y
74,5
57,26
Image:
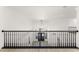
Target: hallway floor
x,y
42,50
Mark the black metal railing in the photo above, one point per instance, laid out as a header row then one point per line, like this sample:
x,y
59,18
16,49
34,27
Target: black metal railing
x,y
27,39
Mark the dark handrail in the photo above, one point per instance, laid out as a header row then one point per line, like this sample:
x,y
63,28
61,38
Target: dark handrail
x,y
38,31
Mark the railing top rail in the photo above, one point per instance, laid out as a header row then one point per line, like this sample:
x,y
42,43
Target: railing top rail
x,y
38,31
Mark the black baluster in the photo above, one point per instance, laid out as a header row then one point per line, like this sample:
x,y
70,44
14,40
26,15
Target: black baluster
x,y
75,39
13,41
10,39
60,40
21,45
68,39
16,39
19,40
7,39
4,39
53,39
65,39
56,39
71,39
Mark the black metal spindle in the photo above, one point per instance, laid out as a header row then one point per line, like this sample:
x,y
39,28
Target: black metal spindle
x,y
56,39
16,39
19,40
66,39
22,39
4,40
75,39
63,39
71,39
13,41
10,39
60,40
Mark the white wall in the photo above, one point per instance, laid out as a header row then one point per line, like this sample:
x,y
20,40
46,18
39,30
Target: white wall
x,y
1,27
77,24
25,18
29,17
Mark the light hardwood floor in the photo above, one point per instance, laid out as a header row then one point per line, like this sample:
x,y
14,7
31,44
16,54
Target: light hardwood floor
x,y
41,50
